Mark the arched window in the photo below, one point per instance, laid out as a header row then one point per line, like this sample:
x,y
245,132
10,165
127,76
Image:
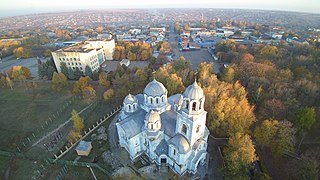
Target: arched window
x,y
129,106
187,104
198,128
163,99
200,106
194,104
174,152
157,125
184,129
151,126
150,100
157,100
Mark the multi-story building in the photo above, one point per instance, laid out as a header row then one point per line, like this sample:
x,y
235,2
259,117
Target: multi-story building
x,y
90,53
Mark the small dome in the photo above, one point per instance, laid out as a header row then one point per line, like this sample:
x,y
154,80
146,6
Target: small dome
x,y
155,89
181,143
194,91
153,116
130,99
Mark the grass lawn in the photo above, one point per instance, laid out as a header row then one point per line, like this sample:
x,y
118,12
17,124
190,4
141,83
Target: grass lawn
x,y
24,112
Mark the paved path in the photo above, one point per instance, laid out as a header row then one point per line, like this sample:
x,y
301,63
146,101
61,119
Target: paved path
x,y
59,127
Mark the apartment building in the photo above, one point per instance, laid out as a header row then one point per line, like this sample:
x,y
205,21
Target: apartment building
x,y
92,53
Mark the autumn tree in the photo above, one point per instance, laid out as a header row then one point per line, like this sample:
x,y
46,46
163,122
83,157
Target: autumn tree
x,y
78,125
19,73
81,84
278,136
107,95
103,79
22,52
9,82
59,80
228,74
269,52
239,156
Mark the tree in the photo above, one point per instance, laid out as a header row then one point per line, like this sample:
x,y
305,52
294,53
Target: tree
x,y
78,123
9,82
165,47
228,74
103,79
239,156
64,69
74,136
304,119
81,84
278,136
71,75
22,52
88,72
19,73
50,72
89,94
77,73
59,80
231,115
269,52
107,95
132,56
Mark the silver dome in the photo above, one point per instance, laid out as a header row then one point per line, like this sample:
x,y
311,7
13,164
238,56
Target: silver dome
x,y
180,142
194,92
155,89
130,99
153,116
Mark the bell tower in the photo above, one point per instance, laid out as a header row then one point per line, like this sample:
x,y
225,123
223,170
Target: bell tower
x,y
191,119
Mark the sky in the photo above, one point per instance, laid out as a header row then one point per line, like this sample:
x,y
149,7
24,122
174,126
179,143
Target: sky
x,y
18,7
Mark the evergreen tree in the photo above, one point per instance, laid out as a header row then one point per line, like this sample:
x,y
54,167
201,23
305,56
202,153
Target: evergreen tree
x,y
77,73
50,72
71,74
64,69
88,72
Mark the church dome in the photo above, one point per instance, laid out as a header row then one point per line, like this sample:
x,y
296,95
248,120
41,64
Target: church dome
x,y
153,117
194,91
130,99
181,143
155,89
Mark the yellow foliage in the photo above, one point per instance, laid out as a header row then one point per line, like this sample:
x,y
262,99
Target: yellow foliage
x,y
78,123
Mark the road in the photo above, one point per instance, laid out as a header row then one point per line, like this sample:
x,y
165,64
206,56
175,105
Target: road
x,y
196,57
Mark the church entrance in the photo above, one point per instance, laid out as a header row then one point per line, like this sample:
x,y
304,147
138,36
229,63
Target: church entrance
x,y
163,160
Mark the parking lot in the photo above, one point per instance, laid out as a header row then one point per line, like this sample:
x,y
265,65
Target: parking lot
x,y
197,57
112,65
30,63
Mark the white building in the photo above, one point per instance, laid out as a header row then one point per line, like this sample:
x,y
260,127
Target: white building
x,y
92,53
170,131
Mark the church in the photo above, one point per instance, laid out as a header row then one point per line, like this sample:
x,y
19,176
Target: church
x,y
170,131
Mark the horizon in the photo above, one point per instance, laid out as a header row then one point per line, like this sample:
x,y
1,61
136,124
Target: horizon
x,y
28,7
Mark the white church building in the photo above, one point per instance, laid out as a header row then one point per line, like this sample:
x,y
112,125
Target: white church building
x,y
170,131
